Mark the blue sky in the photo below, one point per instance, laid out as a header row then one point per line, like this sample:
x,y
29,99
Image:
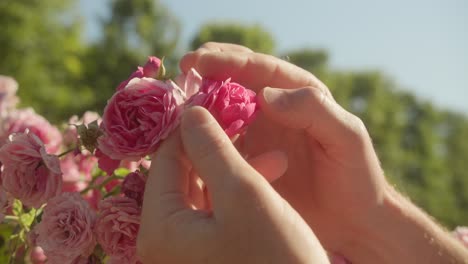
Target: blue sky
x,y
423,45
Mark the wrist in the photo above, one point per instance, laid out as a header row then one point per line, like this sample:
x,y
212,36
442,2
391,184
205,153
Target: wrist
x,y
399,232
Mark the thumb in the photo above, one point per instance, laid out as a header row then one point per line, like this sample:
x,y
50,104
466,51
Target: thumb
x,y
312,109
218,163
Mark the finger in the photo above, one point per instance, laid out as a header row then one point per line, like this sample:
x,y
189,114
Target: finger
x,y
310,109
222,47
190,58
167,185
216,160
271,165
253,70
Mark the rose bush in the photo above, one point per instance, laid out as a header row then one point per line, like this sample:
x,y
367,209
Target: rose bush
x,y
84,205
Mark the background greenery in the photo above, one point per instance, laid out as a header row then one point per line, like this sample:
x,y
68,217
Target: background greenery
x,y
424,149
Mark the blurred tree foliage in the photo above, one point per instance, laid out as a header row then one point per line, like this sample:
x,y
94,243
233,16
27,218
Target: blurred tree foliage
x,y
41,47
253,37
134,30
423,149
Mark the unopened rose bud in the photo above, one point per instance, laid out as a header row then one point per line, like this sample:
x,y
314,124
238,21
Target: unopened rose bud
x,y
152,67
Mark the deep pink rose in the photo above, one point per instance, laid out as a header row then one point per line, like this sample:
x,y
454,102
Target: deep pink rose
x,y
66,229
8,99
150,70
138,117
461,233
117,228
133,186
232,105
19,120
29,173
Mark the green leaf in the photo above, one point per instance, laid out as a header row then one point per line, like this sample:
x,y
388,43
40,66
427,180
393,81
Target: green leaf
x,y
17,207
121,172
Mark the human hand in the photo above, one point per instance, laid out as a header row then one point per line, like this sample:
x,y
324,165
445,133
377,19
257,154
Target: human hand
x,y
248,221
334,179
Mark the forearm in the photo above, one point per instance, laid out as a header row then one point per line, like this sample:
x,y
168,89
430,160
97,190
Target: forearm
x,y
402,233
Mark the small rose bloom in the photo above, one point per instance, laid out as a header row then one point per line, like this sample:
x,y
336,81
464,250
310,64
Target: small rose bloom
x,y
233,105
461,233
138,117
117,228
150,70
66,229
18,121
133,186
29,173
8,99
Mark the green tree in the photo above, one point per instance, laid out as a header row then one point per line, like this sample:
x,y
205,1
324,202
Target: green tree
x,y
41,47
134,30
253,37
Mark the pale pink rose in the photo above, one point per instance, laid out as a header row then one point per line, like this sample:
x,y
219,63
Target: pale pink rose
x,y
18,121
138,117
233,106
461,233
66,229
8,99
150,70
77,169
133,186
29,173
37,256
70,134
117,228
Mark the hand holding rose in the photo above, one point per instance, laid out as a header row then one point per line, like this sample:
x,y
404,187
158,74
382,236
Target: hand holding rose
x,y
334,179
249,221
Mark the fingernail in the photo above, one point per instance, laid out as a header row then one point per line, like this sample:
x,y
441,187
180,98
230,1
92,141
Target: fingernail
x,y
276,98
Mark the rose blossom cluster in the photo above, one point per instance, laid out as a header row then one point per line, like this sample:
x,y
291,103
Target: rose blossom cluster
x,y
75,192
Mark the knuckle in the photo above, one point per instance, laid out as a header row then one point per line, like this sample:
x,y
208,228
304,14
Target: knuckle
x,y
211,45
357,129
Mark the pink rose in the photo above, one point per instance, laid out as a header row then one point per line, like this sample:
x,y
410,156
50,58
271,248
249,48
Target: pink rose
x,y
8,99
117,228
232,105
77,168
66,229
151,70
133,186
29,173
19,120
461,233
138,117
